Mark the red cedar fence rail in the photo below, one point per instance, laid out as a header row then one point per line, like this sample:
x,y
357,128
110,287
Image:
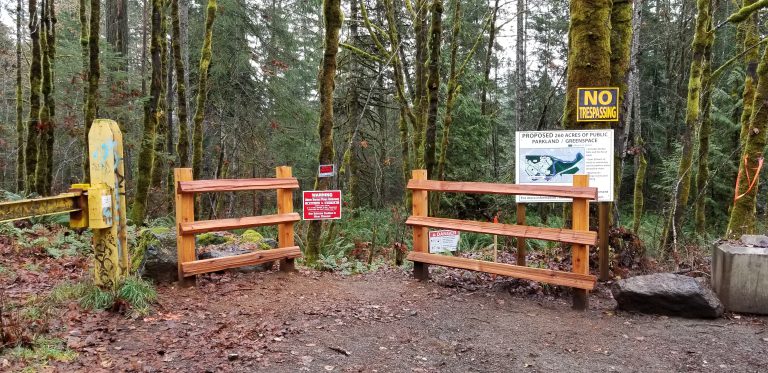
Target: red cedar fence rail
x,y
187,227
579,236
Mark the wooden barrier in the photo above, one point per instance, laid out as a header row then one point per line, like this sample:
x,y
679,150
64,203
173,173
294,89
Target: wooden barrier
x,y
187,227
579,236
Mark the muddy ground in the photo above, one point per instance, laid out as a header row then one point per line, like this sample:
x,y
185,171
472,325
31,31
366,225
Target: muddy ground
x,y
388,322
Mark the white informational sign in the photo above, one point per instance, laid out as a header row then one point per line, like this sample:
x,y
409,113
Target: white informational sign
x,y
443,240
553,157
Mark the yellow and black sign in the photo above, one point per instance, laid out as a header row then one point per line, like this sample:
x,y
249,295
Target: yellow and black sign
x,y
599,104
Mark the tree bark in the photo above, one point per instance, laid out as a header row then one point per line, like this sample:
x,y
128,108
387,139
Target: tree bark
x,y
633,103
43,172
705,130
182,147
520,65
433,85
147,150
743,214
589,54
35,86
202,90
332,17
621,42
19,106
94,71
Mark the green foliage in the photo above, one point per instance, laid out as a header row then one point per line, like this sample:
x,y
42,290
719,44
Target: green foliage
x,y
251,236
135,292
206,239
42,350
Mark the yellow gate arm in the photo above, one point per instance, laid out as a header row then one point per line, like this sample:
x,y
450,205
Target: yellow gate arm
x,y
63,203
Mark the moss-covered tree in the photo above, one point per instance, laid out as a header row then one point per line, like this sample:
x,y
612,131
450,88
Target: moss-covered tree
x,y
147,148
589,54
182,147
202,90
705,130
433,85
35,86
332,19
94,73
162,128
621,42
682,185
19,106
753,138
43,169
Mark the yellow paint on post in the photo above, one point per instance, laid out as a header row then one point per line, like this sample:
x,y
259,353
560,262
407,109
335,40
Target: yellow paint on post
x,y
109,267
118,195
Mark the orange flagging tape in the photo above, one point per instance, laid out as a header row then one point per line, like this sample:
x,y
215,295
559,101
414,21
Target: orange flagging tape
x,y
751,182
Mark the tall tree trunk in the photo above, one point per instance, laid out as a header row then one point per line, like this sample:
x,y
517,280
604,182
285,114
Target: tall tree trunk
x,y
350,162
144,48
742,218
84,25
705,130
433,85
35,86
589,54
94,71
633,101
520,65
161,131
621,41
202,90
47,111
182,147
19,106
147,150
484,106
742,222
332,18
420,89
116,25
682,187
453,88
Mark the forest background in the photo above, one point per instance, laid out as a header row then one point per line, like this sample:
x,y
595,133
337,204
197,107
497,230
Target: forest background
x,y
234,88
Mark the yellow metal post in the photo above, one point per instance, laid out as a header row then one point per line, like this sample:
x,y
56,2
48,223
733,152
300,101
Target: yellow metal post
x,y
110,254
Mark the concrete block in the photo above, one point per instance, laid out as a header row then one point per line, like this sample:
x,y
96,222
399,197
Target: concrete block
x,y
740,274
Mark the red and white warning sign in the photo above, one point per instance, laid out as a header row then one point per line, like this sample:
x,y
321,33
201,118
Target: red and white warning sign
x,y
322,204
443,240
326,170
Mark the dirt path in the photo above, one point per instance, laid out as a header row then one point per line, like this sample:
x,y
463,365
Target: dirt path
x,y
387,322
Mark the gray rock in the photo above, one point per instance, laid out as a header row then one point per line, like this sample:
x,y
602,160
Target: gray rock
x,y
667,294
754,240
271,242
157,253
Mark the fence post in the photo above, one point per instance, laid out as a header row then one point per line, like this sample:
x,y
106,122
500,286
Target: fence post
x,y
106,167
285,206
521,244
420,200
580,253
185,213
603,253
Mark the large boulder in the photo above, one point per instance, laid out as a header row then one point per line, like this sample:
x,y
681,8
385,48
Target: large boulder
x,y
667,294
155,255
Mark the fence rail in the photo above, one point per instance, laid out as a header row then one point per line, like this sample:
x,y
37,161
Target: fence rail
x,y
187,227
579,235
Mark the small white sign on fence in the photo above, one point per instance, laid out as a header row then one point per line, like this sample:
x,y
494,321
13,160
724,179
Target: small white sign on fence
x,y
443,240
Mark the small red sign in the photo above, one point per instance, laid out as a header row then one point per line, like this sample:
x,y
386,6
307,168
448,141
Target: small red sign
x,y
326,170
322,204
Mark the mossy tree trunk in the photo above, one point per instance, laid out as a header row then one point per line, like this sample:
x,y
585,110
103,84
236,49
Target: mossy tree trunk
x,y
35,86
453,89
484,106
433,85
162,128
348,172
43,172
743,214
147,150
19,106
633,110
682,187
84,25
332,19
589,54
182,147
94,71
202,90
705,130
621,44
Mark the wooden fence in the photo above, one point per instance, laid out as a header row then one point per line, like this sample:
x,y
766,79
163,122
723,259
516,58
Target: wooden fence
x,y
579,236
187,227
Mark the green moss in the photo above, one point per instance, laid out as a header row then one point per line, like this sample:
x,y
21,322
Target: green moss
x,y
252,236
207,239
